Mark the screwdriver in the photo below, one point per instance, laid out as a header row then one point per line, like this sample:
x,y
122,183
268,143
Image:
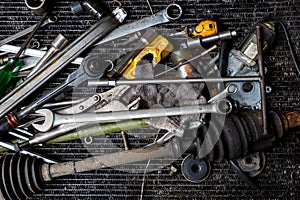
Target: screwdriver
x,y
10,70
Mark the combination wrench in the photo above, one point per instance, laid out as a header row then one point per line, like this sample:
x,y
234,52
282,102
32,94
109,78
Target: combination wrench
x,y
49,20
53,119
32,83
96,32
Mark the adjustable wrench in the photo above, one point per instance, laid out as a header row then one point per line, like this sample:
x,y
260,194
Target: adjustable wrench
x,y
53,119
49,20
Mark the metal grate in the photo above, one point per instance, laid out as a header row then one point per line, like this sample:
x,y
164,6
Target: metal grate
x,y
281,177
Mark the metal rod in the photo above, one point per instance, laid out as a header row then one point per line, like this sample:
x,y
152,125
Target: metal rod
x,y
188,61
94,83
37,26
259,36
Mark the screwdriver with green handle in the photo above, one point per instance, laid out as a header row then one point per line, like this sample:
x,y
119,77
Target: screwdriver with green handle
x,y
10,70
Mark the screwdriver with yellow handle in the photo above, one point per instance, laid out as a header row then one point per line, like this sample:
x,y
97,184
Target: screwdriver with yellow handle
x,y
11,68
203,29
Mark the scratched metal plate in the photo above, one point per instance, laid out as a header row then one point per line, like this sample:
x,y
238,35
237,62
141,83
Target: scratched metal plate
x,y
281,177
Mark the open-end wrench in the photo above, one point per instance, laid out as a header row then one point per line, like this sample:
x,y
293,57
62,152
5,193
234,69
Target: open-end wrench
x,y
96,32
53,119
229,90
49,20
10,103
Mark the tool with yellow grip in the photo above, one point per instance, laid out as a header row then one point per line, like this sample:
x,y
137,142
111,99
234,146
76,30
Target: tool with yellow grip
x,y
159,48
151,45
203,29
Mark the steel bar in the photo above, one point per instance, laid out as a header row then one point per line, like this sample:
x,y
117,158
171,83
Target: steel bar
x,y
94,83
262,82
32,52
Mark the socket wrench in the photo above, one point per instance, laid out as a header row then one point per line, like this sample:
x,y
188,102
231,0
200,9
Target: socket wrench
x,y
58,43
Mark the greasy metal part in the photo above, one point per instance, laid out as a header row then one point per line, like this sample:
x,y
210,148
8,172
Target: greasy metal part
x,y
98,31
229,90
38,6
58,43
290,120
114,159
95,83
53,119
252,164
172,12
49,20
32,53
234,167
260,63
195,170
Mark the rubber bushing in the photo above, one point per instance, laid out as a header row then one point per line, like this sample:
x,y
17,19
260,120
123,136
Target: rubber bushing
x,y
195,170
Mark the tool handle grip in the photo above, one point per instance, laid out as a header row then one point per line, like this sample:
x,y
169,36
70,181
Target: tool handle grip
x,y
7,123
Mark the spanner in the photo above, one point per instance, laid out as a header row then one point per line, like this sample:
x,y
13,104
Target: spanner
x,y
49,20
11,102
229,90
104,103
53,119
97,31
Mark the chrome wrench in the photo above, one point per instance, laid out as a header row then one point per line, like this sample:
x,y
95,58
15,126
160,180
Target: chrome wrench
x,y
98,31
171,12
49,20
53,119
104,99
32,53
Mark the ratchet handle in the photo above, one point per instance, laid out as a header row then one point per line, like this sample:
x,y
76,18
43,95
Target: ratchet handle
x,y
7,123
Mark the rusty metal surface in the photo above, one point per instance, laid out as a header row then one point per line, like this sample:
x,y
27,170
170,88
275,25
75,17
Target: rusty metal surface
x,y
281,177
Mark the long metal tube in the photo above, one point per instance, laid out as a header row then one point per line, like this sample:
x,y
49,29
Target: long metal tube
x,y
109,160
94,83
